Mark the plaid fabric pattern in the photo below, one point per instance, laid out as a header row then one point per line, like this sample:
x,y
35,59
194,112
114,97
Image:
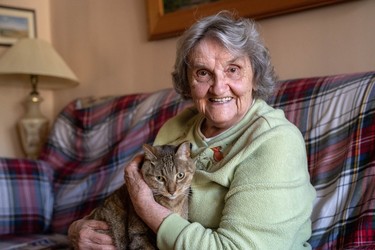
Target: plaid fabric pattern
x,y
336,115
90,145
26,196
92,140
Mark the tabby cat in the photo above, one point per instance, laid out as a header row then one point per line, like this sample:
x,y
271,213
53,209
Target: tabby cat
x,y
168,171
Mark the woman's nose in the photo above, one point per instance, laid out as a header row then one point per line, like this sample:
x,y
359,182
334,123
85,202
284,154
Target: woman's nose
x,y
219,85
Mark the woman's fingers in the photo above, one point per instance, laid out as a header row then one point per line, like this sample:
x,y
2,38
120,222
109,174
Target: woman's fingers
x,y
83,234
133,167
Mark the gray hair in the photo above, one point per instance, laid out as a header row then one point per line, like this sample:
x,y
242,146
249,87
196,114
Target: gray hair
x,y
240,36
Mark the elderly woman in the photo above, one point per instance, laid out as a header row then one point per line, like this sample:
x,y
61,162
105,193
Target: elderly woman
x,y
251,189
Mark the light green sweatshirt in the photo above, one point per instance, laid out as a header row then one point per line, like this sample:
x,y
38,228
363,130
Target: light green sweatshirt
x,y
251,189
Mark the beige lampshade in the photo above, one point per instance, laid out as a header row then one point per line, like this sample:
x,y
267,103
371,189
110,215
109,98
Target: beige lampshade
x,y
35,57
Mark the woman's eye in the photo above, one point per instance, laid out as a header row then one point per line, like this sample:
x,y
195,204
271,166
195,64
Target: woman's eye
x,y
180,175
233,72
203,75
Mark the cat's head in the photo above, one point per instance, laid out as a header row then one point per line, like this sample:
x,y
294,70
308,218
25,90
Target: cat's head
x,y
167,169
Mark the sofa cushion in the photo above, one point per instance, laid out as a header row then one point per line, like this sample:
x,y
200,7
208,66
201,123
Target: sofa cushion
x,y
26,196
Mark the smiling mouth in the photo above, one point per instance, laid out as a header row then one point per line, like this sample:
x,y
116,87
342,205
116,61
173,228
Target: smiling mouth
x,y
221,100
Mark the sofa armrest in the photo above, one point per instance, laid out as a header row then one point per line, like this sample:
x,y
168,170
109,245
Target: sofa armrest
x,y
26,196
336,115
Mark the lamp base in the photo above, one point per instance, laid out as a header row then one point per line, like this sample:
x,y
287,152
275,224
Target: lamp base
x,y
33,128
33,133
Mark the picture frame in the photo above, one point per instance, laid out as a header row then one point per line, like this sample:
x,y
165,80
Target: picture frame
x,y
164,25
16,23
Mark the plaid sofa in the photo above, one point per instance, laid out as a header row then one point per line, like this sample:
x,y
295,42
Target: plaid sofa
x,y
93,138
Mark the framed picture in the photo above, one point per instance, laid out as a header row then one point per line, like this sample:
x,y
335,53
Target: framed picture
x,y
168,18
16,23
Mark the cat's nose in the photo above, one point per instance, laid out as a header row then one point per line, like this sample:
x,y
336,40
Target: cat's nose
x,y
172,189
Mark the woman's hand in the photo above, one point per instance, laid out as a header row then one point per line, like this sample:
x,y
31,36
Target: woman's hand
x,y
138,190
142,198
83,235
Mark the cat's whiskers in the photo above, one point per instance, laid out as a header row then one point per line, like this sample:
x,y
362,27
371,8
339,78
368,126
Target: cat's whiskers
x,y
188,194
158,193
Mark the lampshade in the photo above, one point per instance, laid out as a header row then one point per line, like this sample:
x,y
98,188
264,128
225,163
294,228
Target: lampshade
x,y
35,62
36,57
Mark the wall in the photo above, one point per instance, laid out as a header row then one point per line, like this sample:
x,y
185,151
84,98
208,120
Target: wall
x,y
102,41
329,40
12,97
105,43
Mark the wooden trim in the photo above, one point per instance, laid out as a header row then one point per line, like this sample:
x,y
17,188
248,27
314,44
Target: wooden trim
x,y
162,25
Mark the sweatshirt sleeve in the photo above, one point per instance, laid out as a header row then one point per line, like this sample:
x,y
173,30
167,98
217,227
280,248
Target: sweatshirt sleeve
x,y
268,203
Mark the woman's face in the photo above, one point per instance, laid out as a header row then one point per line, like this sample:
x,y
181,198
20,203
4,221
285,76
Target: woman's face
x,y
221,85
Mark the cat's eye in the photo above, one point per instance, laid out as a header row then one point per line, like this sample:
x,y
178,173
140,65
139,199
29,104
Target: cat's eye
x,y
180,175
159,178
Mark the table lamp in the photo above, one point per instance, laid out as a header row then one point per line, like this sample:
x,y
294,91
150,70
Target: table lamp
x,y
37,60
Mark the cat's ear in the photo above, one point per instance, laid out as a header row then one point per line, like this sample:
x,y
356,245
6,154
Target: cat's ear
x,y
183,151
149,152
